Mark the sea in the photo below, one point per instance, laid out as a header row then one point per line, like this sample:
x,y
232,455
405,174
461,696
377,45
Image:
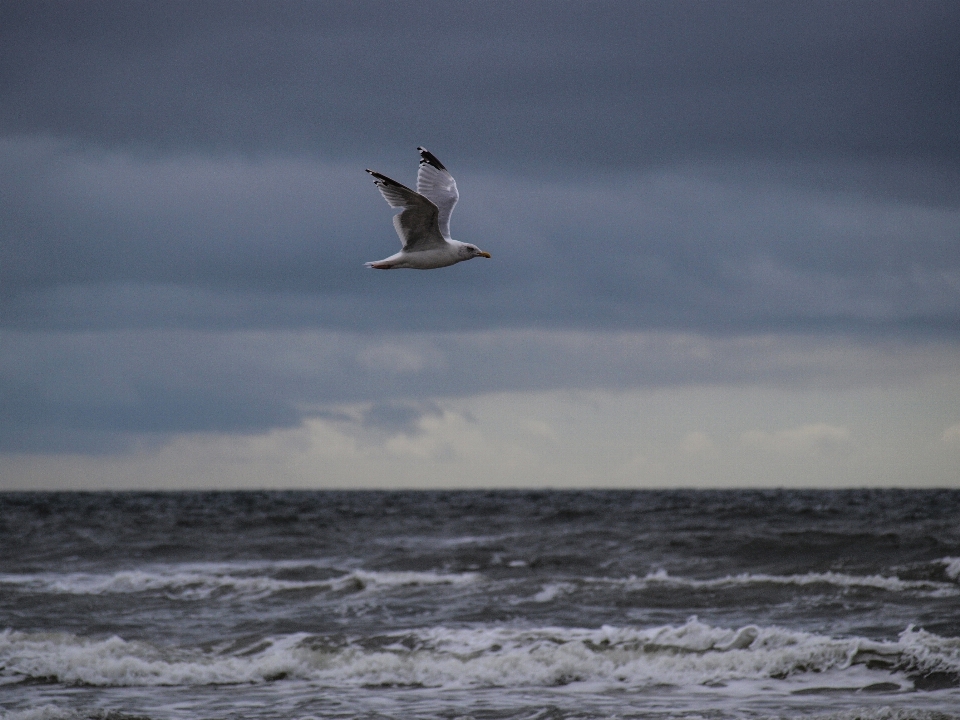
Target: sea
x,y
487,605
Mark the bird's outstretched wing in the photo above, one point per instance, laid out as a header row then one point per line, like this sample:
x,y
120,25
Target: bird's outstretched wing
x,y
417,223
436,184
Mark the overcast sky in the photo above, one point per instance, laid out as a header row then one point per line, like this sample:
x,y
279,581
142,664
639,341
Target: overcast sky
x,y
725,240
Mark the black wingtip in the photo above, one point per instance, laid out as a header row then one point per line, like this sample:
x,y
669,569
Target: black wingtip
x,y
428,158
380,179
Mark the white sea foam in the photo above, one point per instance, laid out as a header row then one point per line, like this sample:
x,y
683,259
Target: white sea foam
x,y
115,661
551,591
932,653
879,582
883,713
258,579
952,567
693,654
199,581
43,712
410,578
661,578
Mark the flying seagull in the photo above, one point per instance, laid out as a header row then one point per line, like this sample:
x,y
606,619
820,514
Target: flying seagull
x,y
424,221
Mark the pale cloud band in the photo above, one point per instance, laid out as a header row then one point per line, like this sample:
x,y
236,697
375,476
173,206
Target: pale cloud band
x,y
639,438
496,408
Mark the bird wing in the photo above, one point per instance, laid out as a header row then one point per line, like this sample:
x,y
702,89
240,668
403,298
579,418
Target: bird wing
x,y
416,224
436,184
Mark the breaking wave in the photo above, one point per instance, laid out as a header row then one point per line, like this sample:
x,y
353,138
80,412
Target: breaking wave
x,y
200,581
690,654
930,588
254,580
951,567
879,582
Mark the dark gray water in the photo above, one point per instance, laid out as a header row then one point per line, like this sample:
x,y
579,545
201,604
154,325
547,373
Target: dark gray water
x,y
480,604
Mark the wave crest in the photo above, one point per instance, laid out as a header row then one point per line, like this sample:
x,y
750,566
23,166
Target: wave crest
x,y
692,653
202,581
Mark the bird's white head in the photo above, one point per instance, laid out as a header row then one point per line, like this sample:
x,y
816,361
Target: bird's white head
x,y
471,251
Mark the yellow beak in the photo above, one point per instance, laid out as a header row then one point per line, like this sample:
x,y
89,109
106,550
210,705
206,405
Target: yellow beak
x,y
485,254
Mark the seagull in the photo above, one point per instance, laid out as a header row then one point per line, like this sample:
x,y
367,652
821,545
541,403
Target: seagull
x,y
424,223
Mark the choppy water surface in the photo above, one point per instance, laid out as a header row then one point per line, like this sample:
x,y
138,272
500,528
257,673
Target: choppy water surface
x,y
480,604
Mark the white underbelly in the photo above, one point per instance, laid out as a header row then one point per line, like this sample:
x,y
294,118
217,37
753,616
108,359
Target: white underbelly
x,y
428,259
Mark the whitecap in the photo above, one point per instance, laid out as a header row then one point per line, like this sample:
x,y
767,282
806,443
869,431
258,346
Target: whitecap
x,y
551,591
691,654
952,567
843,580
41,712
199,581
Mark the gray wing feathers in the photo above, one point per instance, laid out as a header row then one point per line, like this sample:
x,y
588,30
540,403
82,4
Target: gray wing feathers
x,y
436,184
416,224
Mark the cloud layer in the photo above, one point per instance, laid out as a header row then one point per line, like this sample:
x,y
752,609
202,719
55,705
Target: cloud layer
x,y
676,195
232,242
106,391
615,85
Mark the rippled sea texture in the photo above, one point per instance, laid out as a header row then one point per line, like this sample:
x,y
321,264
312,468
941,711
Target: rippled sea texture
x,y
480,604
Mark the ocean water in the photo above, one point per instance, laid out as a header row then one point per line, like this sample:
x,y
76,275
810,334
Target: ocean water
x,y
486,605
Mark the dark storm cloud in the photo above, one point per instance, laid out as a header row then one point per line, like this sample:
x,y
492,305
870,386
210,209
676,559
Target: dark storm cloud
x,y
210,154
106,240
72,218
508,84
150,416
174,169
